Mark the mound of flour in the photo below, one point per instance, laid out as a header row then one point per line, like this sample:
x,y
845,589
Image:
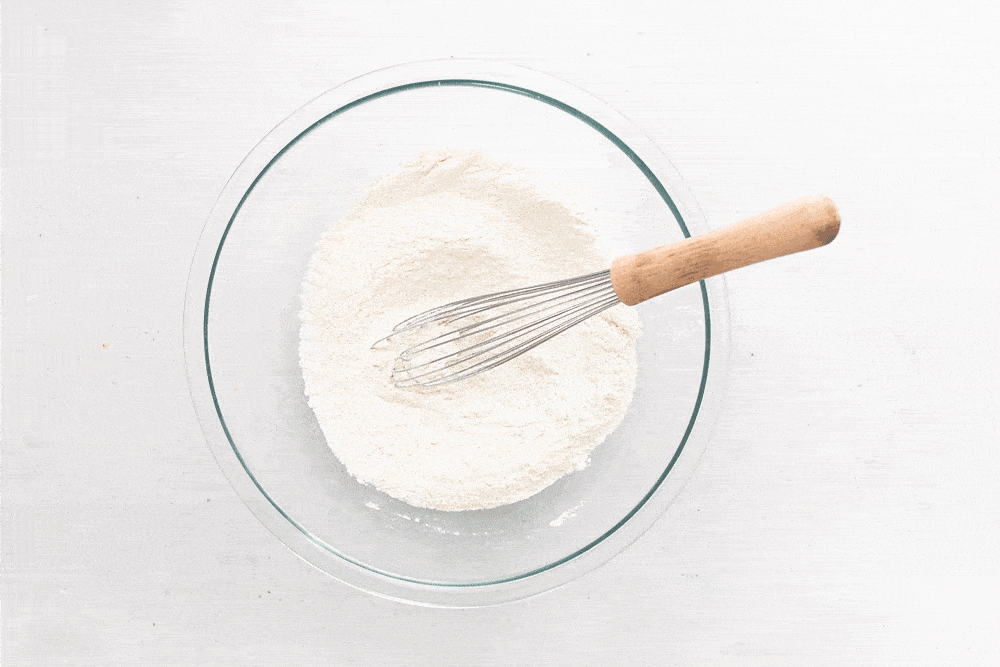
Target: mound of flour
x,y
449,225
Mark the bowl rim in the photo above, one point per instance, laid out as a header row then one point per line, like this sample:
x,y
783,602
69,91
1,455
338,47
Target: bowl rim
x,y
371,86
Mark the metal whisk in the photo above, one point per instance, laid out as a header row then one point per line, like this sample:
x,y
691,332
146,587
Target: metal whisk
x,y
471,336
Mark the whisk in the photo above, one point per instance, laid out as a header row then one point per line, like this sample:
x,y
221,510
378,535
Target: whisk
x,y
474,335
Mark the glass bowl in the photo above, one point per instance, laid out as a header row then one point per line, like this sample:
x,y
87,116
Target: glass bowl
x,y
242,334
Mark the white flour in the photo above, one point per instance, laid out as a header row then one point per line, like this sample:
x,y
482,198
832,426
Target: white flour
x,y
449,225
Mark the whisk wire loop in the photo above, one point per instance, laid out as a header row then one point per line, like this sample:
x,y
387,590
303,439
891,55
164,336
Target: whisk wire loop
x,y
504,325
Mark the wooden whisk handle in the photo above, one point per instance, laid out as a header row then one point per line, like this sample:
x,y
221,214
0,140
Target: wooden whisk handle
x,y
809,222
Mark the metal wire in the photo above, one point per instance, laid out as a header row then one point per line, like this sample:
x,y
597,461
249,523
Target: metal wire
x,y
485,331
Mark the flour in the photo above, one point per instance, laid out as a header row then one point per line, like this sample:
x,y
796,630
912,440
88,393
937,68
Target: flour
x,y
449,225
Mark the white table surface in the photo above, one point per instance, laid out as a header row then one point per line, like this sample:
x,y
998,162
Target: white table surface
x,y
846,509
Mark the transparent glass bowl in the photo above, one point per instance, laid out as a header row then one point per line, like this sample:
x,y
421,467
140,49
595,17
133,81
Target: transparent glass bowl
x,y
242,333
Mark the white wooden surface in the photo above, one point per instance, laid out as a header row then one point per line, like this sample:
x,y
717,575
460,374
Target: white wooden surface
x,y
846,511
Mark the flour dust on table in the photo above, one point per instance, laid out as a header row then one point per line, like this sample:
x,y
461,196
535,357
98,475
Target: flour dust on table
x,y
448,225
